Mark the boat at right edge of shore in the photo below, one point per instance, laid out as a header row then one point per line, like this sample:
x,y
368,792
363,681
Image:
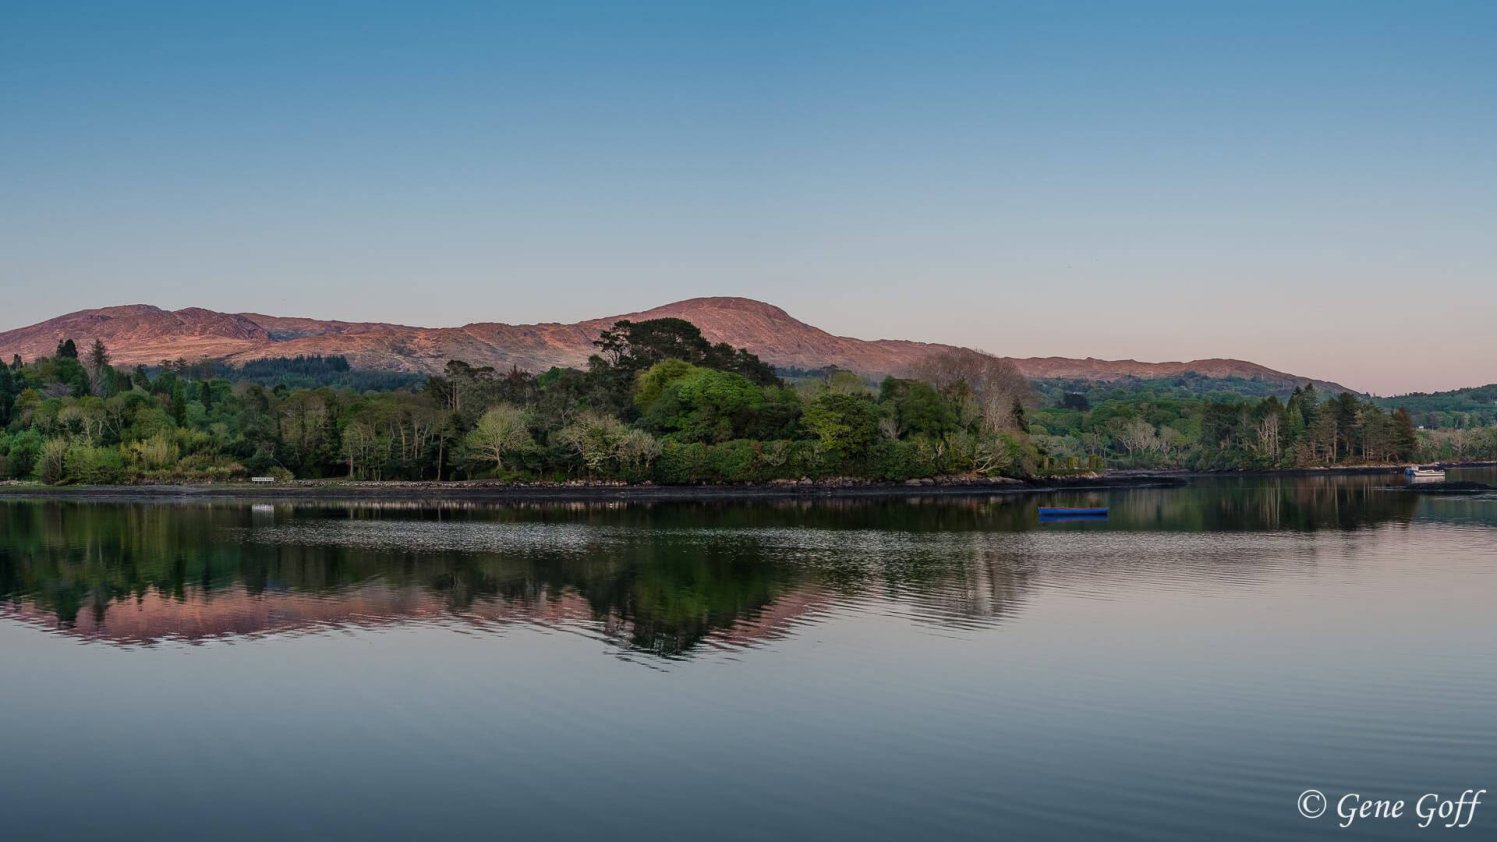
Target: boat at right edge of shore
x,y
1422,473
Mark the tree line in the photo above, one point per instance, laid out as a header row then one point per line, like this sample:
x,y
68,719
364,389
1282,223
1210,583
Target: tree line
x,y
656,403
1167,431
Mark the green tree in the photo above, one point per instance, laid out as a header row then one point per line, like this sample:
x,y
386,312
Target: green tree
x,y
1405,437
597,439
698,404
24,450
179,404
7,395
917,408
500,431
1348,412
98,356
630,347
845,425
651,384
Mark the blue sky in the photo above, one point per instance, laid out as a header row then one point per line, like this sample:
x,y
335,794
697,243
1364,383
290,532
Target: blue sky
x,y
1301,184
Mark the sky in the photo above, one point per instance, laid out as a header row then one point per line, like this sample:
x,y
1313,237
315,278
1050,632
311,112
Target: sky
x,y
1308,185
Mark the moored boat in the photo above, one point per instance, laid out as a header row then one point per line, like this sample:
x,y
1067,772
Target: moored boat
x,y
1421,473
1048,512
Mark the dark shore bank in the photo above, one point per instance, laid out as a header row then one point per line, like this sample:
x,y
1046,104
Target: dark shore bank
x,y
495,491
561,492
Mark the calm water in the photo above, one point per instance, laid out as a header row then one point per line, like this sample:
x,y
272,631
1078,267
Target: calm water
x,y
924,669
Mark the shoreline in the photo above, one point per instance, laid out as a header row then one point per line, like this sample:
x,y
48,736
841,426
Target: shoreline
x,y
501,492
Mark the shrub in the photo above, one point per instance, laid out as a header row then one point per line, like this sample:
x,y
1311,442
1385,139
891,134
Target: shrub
x,y
51,461
89,465
734,461
806,459
902,460
25,451
153,454
682,463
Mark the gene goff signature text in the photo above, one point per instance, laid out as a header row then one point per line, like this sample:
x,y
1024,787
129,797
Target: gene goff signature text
x,y
1431,807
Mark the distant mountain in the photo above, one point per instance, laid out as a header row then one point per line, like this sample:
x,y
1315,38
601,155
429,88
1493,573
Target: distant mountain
x,y
141,333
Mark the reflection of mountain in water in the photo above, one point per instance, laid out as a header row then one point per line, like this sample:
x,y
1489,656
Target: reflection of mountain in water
x,y
663,580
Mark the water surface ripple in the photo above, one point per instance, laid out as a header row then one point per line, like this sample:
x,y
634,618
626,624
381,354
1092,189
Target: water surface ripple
x,y
904,669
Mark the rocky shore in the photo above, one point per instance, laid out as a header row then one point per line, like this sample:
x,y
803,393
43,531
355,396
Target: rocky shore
x,y
483,490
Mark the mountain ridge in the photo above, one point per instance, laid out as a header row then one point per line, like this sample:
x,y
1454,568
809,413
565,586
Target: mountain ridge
x,y
146,334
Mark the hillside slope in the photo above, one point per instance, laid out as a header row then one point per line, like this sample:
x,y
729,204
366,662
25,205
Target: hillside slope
x,y
144,334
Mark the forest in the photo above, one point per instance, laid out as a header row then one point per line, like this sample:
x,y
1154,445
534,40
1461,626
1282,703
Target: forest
x,y
1461,409
656,403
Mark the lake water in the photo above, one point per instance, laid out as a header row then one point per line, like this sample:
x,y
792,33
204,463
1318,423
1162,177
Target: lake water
x,y
922,669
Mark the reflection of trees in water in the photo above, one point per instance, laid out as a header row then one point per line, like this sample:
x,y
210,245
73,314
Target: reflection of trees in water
x,y
1470,510
68,555
663,578
1297,504
668,578
981,589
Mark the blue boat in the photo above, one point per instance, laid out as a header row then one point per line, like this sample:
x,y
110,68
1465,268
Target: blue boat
x,y
1065,513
